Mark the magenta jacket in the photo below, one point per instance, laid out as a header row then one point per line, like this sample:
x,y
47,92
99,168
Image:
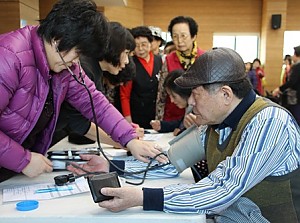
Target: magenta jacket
x,y
24,85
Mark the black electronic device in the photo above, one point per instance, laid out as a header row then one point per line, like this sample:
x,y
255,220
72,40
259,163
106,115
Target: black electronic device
x,y
97,182
276,21
61,180
60,159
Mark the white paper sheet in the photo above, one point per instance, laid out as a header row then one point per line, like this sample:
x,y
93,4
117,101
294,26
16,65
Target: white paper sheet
x,y
27,192
152,137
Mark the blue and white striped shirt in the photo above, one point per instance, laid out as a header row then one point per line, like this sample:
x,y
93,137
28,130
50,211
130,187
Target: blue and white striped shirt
x,y
269,146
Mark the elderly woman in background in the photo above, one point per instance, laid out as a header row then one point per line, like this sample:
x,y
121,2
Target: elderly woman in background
x,y
138,97
184,31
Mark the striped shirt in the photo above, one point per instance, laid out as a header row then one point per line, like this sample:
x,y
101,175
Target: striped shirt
x,y
269,146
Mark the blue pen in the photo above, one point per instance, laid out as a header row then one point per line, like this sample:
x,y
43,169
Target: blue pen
x,y
54,189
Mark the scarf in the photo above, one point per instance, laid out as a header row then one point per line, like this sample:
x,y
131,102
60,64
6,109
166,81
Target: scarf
x,y
186,60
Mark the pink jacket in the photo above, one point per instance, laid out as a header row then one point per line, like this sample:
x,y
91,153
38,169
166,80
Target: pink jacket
x,y
24,85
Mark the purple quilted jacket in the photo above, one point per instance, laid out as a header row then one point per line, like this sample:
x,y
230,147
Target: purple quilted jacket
x,y
24,85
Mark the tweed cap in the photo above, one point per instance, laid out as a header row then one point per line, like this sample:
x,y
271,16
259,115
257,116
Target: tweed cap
x,y
218,65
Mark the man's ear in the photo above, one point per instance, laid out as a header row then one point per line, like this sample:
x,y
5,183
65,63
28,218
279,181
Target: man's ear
x,y
227,94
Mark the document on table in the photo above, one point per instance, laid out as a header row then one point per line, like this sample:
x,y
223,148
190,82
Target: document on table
x,y
152,137
28,192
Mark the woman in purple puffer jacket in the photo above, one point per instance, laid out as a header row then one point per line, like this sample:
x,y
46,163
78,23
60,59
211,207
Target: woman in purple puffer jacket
x,y
35,78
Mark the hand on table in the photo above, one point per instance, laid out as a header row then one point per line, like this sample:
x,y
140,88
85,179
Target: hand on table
x,y
124,197
38,164
95,164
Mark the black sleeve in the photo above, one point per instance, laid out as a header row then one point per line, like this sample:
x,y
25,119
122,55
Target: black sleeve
x,y
294,79
118,166
169,126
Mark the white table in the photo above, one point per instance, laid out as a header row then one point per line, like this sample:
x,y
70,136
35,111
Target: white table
x,y
81,208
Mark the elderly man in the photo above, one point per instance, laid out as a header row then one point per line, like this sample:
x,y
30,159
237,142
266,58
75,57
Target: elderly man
x,y
252,149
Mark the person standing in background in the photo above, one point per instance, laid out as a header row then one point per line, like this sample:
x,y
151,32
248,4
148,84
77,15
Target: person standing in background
x,y
138,97
158,41
292,87
169,47
248,67
183,30
260,75
251,73
287,63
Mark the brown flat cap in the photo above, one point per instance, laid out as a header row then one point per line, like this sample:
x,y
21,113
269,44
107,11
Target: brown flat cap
x,y
218,65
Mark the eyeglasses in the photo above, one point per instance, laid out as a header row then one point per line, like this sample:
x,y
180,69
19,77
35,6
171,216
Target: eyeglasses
x,y
182,36
142,45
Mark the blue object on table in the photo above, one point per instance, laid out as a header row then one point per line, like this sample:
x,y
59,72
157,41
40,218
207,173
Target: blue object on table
x,y
54,189
27,205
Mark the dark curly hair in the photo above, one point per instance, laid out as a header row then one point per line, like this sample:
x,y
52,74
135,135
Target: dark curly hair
x,y
78,24
120,40
193,26
127,74
170,84
142,31
130,43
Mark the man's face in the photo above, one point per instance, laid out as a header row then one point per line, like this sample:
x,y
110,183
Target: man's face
x,y
155,46
209,107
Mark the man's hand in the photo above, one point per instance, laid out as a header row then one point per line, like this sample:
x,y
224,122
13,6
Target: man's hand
x,y
189,120
38,164
142,150
124,197
95,164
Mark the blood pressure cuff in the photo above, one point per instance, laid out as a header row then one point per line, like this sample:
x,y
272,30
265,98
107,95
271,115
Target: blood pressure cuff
x,y
156,171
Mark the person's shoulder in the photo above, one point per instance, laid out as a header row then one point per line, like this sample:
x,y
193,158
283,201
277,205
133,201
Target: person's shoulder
x,y
171,57
274,113
18,40
296,66
200,51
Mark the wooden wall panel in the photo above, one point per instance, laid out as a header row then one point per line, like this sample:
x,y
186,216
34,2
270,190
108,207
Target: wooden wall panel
x,y
9,16
211,16
129,16
293,16
272,41
29,11
31,3
45,7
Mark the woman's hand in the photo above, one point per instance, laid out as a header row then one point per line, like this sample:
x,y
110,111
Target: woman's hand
x,y
38,164
142,150
155,125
